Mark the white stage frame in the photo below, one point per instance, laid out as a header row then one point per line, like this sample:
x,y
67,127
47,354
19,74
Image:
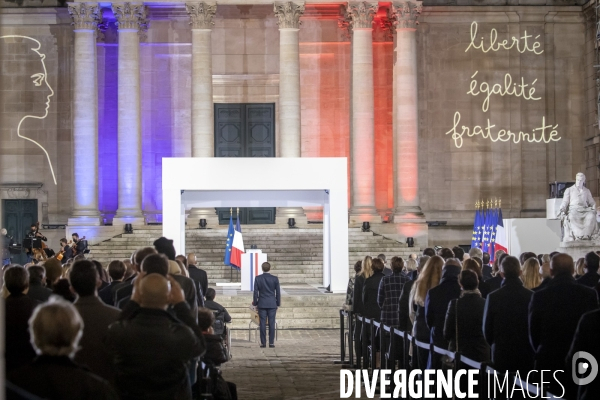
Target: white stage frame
x,y
263,182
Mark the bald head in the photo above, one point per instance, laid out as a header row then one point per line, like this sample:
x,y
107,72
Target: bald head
x,y
154,291
562,264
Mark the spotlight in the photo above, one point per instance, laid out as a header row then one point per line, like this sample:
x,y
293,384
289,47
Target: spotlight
x,y
366,227
410,242
128,228
202,223
291,222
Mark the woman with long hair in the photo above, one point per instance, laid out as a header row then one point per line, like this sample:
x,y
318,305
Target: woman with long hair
x,y
357,300
428,278
531,273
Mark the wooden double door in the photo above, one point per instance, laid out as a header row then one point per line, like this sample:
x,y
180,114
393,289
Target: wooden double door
x,y
245,130
17,217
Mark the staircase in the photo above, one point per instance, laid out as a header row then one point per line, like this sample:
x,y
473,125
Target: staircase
x,y
296,254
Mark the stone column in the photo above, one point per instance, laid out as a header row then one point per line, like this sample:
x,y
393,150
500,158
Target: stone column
x,y
203,131
288,15
131,19
405,103
85,17
362,130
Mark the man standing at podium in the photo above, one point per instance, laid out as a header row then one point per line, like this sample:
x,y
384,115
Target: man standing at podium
x,y
267,298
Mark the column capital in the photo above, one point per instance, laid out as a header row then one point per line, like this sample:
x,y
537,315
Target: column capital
x,y
405,14
288,14
84,15
201,14
362,14
345,23
130,16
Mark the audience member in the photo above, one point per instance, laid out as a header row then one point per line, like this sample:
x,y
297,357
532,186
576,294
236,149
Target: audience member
x,y
116,271
196,273
446,253
18,307
56,329
505,321
459,253
586,339
496,280
544,274
148,339
483,287
54,272
387,271
464,319
429,252
486,268
579,266
531,273
590,277
388,294
350,289
211,304
371,289
102,275
165,246
129,271
37,284
428,279
96,317
124,289
436,306
553,316
62,288
404,305
526,256
475,252
357,300
190,289
411,268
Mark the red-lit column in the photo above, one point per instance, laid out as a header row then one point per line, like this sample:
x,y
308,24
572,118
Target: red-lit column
x,y
362,130
405,103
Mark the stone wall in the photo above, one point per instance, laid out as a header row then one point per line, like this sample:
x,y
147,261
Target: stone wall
x,y
246,67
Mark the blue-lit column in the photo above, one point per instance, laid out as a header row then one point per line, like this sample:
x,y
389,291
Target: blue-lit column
x,y
131,17
85,115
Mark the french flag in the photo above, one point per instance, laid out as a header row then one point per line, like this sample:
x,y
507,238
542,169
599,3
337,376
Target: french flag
x,y
237,247
501,239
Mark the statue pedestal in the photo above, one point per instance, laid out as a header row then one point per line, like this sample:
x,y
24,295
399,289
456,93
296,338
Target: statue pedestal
x,y
578,248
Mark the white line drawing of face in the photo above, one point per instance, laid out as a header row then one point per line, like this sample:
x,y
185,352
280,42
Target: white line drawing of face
x,y
39,79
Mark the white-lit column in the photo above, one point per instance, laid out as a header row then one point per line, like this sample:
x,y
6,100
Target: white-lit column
x,y
405,103
85,115
289,127
203,130
131,17
362,130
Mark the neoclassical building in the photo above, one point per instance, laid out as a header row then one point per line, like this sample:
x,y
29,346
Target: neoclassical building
x,y
436,105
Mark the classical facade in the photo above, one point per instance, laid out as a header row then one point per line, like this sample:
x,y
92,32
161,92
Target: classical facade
x,y
435,105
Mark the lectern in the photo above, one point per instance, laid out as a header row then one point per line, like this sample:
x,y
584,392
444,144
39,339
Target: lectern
x,y
251,267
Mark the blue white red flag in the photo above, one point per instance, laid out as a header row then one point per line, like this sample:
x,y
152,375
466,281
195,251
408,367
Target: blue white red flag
x,y
237,247
230,233
501,236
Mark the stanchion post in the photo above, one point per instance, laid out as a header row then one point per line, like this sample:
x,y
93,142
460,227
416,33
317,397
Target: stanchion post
x,y
373,347
382,347
351,338
342,340
365,344
393,345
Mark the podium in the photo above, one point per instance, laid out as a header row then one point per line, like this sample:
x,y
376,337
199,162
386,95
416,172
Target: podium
x,y
251,267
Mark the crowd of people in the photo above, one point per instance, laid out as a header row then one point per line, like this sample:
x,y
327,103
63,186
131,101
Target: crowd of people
x,y
136,329
520,315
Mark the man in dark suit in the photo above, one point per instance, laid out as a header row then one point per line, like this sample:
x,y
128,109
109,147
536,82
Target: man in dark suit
x,y
96,317
37,284
80,244
211,304
591,276
267,298
125,288
197,274
586,339
505,324
436,306
553,316
116,271
486,269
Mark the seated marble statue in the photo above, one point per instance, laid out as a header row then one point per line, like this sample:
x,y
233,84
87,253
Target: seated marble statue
x,y
578,212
